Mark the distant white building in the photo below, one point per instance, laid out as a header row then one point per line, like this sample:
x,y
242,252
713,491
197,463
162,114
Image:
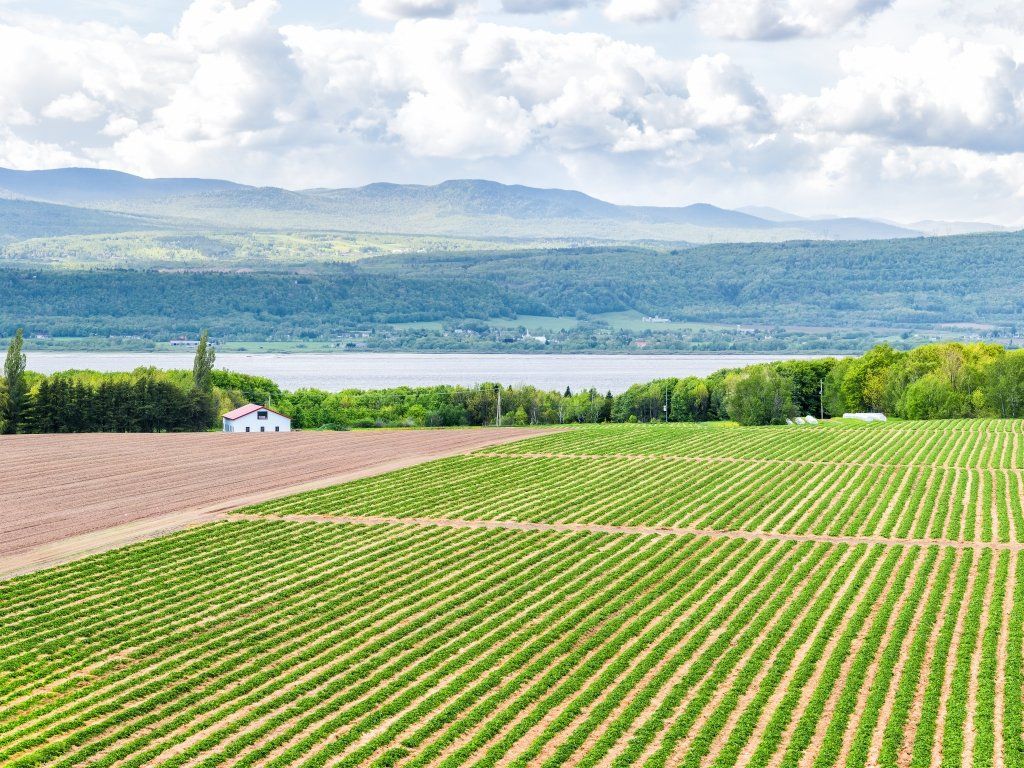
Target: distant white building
x,y
867,417
256,418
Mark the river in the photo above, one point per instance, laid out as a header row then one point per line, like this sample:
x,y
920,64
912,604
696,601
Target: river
x,y
372,370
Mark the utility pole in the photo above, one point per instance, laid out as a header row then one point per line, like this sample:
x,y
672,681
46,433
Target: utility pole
x,y
665,408
821,398
498,388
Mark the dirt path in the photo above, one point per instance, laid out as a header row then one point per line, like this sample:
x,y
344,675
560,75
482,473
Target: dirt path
x,y
635,530
68,496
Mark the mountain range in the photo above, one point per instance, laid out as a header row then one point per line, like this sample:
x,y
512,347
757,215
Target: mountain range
x,y
89,201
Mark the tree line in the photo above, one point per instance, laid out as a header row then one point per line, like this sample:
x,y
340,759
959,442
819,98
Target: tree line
x,y
936,381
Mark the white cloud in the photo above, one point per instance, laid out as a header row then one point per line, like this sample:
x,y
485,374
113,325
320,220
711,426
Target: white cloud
x,y
939,92
778,19
409,9
644,10
461,88
542,6
229,92
73,106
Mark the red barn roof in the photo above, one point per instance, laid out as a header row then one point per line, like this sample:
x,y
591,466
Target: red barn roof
x,y
245,410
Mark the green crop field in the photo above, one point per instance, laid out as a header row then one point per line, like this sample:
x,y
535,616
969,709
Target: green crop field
x,y
609,596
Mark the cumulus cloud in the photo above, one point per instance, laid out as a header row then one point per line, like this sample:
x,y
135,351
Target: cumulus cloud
x,y
778,19
939,92
229,92
541,6
454,88
644,10
409,9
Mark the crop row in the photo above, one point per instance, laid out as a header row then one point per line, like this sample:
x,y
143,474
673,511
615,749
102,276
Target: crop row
x,y
322,644
902,502
974,444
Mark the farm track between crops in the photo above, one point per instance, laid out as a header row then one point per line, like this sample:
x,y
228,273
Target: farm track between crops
x,y
635,530
67,496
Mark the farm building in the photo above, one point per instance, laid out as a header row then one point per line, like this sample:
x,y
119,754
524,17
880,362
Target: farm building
x,y
256,418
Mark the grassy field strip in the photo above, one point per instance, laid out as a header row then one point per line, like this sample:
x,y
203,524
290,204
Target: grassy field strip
x,y
698,459
144,645
900,707
188,719
775,649
979,717
809,729
175,668
886,668
600,623
514,725
662,693
988,444
363,555
853,702
850,685
716,638
667,621
901,504
632,530
425,687
786,705
952,735
562,731
217,727
1013,720
108,620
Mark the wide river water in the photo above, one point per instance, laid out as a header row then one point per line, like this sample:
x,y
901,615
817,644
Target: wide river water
x,y
378,370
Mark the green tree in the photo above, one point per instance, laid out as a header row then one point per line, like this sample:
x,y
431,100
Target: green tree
x,y
691,400
15,393
933,397
759,395
1004,385
202,367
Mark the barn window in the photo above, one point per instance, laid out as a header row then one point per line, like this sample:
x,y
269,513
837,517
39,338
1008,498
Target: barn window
x,y
277,429
247,429
263,429
262,415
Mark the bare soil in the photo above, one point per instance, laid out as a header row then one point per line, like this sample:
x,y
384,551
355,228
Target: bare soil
x,y
63,496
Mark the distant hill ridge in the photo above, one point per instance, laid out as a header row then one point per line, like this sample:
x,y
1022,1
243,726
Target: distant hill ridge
x,y
460,207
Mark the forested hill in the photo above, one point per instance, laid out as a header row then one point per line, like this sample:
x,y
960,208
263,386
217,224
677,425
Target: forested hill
x,y
976,278
919,283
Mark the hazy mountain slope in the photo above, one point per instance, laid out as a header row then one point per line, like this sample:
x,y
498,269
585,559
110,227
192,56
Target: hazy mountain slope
x,y
459,208
23,219
855,229
486,209
85,186
770,214
931,227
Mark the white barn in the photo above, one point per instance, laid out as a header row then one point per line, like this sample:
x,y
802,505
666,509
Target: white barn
x,y
256,418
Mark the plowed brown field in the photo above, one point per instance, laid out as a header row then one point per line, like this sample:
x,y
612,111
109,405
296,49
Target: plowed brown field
x,y
58,486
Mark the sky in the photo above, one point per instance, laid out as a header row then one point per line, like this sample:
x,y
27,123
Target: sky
x,y
897,109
